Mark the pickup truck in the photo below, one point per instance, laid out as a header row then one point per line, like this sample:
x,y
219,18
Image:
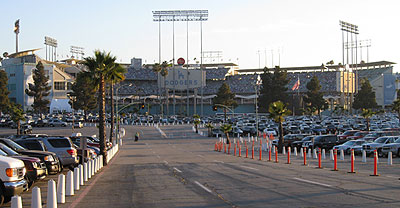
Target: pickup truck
x,y
323,142
12,182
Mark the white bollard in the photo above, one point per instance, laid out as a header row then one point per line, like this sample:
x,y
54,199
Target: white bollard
x,y
16,202
301,153
315,153
331,154
61,189
77,180
81,175
69,185
283,150
36,200
364,156
295,151
89,169
51,195
93,172
390,158
85,172
341,154
323,154
309,153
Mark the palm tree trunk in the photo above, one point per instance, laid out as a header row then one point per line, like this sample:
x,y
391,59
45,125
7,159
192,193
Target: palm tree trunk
x,y
102,120
112,111
18,127
280,143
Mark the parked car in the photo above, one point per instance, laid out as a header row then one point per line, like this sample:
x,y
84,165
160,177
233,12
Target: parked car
x,y
323,142
376,134
378,144
78,124
50,159
299,144
347,146
35,169
358,135
217,132
57,122
12,182
62,146
347,134
40,123
288,139
392,147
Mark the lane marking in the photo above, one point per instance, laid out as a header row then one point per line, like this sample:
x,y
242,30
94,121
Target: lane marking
x,y
161,132
249,167
218,161
177,170
389,176
166,162
203,187
158,156
201,156
312,182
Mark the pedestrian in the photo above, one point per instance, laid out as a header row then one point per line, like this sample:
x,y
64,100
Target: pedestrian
x,y
136,136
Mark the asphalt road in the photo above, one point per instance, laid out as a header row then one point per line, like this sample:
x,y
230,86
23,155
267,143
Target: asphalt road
x,y
174,167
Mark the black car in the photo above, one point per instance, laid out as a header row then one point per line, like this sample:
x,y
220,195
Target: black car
x,y
49,158
249,130
323,142
299,144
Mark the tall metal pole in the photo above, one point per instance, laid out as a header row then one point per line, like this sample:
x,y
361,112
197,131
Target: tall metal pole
x,y
173,62
187,67
16,43
201,66
159,61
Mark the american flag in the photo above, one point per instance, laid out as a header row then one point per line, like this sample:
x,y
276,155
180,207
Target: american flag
x,y
296,85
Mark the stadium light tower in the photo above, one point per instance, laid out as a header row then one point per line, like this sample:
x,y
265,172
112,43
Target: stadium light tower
x,y
181,15
352,30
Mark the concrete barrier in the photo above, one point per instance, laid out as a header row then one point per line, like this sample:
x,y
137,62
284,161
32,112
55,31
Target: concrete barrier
x,y
51,194
36,200
16,202
60,189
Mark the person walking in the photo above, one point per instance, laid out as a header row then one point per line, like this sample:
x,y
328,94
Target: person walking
x,y
136,136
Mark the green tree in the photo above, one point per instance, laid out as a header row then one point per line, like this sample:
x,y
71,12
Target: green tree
x,y
225,97
4,100
17,115
365,98
367,114
115,74
39,90
196,122
273,88
226,128
277,111
84,92
396,107
314,96
97,70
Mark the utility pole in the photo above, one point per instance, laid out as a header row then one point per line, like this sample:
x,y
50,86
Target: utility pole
x,y
16,31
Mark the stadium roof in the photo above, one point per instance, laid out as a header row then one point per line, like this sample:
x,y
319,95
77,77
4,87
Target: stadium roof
x,y
23,53
329,67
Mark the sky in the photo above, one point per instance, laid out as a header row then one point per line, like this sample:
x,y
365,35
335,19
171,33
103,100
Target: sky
x,y
251,33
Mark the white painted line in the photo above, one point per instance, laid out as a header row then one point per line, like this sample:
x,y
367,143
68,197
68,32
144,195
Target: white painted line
x,y
201,156
161,132
177,170
154,152
166,162
389,176
249,168
203,187
312,182
218,161
158,156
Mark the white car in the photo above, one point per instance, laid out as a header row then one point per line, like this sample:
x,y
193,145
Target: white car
x,y
270,131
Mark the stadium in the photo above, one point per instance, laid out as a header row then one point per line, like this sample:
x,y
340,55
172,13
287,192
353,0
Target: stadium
x,y
338,86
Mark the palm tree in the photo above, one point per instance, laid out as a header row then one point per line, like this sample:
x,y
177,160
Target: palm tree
x,y
163,70
367,114
196,122
209,127
226,128
97,69
114,74
277,111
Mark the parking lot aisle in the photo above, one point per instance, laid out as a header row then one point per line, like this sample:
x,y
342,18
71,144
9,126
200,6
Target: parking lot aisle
x,y
138,178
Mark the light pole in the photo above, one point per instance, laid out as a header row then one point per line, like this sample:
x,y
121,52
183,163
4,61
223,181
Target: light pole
x,y
72,99
256,87
116,109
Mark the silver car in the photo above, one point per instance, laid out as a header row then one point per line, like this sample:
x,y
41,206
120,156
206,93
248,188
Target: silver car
x,y
347,146
57,122
378,144
392,147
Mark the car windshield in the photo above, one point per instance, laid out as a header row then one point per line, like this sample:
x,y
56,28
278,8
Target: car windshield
x,y
348,133
307,138
349,143
397,140
8,150
14,145
380,140
2,153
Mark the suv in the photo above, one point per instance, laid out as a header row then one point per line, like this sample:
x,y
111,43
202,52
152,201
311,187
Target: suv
x,y
57,122
323,142
12,173
393,147
62,146
50,159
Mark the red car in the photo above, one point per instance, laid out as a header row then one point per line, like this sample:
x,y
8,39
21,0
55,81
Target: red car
x,y
347,134
358,135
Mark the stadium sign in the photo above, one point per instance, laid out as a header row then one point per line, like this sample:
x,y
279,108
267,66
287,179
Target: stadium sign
x,y
181,79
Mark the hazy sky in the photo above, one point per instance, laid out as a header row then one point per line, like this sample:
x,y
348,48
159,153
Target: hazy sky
x,y
306,33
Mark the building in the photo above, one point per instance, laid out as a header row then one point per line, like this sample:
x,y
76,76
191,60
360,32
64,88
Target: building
x,y
19,67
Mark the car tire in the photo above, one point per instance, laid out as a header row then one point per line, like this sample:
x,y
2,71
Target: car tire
x,y
2,197
398,152
380,153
